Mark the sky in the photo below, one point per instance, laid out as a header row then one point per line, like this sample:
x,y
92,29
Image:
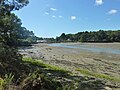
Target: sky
x,y
51,18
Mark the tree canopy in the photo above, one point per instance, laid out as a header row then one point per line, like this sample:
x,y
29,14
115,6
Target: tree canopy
x,y
6,6
98,36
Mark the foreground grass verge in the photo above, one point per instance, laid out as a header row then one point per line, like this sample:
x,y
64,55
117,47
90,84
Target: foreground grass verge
x,y
44,65
58,81
37,75
102,76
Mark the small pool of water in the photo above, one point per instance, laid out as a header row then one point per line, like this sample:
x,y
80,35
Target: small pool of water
x,y
86,47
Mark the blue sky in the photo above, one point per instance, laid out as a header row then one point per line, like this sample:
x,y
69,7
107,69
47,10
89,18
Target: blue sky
x,y
50,18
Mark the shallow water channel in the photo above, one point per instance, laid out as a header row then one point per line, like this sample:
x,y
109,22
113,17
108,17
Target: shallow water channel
x,y
87,47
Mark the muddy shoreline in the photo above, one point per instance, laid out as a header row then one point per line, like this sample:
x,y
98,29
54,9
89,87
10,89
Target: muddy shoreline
x,y
70,59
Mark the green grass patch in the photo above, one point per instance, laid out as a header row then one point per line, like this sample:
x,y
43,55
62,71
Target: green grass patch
x,y
34,62
102,76
40,63
6,81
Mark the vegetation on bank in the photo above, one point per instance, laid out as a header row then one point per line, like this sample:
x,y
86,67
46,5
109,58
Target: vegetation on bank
x,y
32,74
92,36
40,63
13,34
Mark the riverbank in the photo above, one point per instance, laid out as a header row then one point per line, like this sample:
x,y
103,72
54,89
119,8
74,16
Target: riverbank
x,y
72,59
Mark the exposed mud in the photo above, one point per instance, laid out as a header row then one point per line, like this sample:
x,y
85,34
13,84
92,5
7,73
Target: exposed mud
x,y
71,58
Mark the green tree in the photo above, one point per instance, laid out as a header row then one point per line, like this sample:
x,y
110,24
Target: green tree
x,y
6,6
92,36
63,37
9,25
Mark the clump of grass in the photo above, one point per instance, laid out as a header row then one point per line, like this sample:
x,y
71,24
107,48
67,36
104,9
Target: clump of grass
x,y
6,81
102,76
36,81
40,63
34,62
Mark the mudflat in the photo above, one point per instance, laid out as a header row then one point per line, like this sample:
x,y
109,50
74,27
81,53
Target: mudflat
x,y
73,58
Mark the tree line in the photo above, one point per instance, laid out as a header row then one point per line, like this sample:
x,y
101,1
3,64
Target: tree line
x,y
92,36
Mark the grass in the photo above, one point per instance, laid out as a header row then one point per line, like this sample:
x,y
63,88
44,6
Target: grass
x,y
34,62
102,76
6,81
50,82
40,63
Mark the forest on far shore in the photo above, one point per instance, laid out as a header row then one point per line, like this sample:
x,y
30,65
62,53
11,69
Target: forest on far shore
x,y
92,36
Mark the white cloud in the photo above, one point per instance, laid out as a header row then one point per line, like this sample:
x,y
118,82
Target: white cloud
x,y
53,9
60,16
53,16
73,17
98,2
46,13
113,11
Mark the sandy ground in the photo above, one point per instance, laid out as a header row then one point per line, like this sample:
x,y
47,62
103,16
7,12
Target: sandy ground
x,y
70,59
